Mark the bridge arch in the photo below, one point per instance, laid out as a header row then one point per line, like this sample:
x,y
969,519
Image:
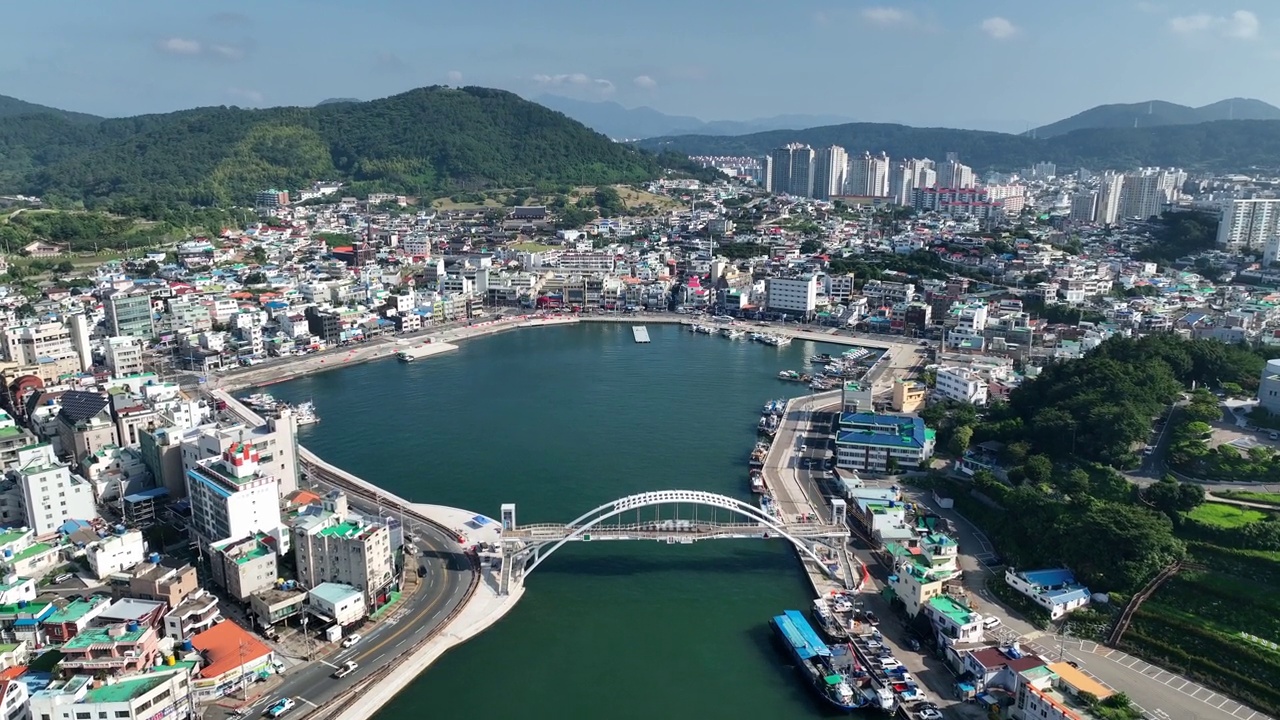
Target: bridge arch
x,y
594,517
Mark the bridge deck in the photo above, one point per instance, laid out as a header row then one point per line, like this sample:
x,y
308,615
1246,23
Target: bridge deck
x,y
668,528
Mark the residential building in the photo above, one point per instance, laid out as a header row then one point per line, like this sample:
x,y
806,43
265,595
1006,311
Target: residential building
x,y
124,355
856,397
1110,186
51,493
1055,590
155,581
961,385
233,660
1084,207
115,553
332,544
195,614
15,702
46,347
829,166
792,170
954,620
231,498
337,603
919,573
1249,225
128,312
956,175
160,693
869,175
1053,692
869,442
1144,194
73,618
908,395
116,650
271,199
793,296
244,566
13,437
84,424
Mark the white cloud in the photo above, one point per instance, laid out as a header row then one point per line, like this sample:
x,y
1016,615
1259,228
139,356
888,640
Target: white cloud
x,y
646,82
885,16
252,96
999,28
1241,24
580,81
227,52
180,46
454,76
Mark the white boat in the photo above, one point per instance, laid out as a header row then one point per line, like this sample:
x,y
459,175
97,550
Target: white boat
x,y
261,401
305,413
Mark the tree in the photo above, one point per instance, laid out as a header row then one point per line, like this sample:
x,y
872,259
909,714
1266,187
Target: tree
x,y
892,466
810,246
960,440
1038,469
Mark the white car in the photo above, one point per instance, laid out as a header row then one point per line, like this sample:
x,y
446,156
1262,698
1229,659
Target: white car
x,y
281,707
347,668
351,640
803,447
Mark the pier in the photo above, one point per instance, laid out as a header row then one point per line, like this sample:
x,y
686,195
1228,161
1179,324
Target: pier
x,y
640,333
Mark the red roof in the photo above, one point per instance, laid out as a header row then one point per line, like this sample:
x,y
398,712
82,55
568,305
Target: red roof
x,y
227,646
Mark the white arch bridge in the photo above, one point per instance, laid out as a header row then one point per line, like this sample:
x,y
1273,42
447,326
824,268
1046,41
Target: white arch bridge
x,y
673,517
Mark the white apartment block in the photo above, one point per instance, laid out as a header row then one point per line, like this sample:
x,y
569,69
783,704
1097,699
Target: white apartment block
x,y
231,498
115,553
829,169
595,262
275,443
960,384
124,355
1249,224
797,296
332,544
51,493
869,175
48,347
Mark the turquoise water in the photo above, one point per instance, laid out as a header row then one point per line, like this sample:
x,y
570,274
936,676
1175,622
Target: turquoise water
x,y
560,420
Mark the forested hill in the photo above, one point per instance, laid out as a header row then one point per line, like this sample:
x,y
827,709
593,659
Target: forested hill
x,y
13,107
1223,145
429,140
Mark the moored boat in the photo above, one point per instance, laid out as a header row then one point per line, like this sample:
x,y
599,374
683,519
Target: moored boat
x,y
813,660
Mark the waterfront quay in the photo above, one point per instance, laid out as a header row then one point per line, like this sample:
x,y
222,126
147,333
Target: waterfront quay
x,y
454,600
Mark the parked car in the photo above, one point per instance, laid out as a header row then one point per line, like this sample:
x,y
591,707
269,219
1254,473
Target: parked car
x,y
928,712
351,640
347,668
281,707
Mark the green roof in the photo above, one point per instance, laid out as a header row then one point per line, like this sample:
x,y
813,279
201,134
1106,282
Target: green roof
x,y
344,530
10,431
956,612
9,536
32,551
125,690
74,610
102,636
259,550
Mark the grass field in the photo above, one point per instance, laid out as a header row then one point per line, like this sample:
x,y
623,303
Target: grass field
x,y
532,247
1262,498
447,204
1225,516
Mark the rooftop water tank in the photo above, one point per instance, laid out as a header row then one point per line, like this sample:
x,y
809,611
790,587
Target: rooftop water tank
x,y
155,558
132,626
187,646
120,529
8,552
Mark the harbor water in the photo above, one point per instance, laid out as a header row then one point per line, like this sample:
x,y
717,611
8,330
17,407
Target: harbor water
x,y
560,420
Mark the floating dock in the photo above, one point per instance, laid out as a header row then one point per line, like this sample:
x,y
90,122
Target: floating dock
x,y
640,333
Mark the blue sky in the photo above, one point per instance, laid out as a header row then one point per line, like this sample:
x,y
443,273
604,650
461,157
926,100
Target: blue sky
x,y
997,64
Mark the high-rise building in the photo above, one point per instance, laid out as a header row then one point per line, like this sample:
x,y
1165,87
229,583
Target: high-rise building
x,y
123,355
1147,192
1084,207
829,167
1249,224
79,324
793,296
231,498
901,182
272,198
766,173
954,175
333,544
792,172
128,312
1110,188
869,175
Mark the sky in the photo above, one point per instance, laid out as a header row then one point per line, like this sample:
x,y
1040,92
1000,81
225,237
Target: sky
x,y
991,64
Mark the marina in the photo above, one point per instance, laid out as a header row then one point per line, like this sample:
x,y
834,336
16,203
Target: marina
x,y
640,333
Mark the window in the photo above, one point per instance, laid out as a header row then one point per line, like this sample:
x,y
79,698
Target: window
x,y
122,713
83,716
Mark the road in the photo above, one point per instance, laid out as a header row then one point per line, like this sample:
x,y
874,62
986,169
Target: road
x,y
442,589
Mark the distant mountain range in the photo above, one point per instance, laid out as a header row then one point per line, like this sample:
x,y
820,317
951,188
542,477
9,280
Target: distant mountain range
x,y
624,123
1155,113
13,107
1220,145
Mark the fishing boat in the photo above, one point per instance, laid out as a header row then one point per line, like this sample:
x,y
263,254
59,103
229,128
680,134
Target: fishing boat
x,y
305,413
820,359
813,660
261,402
758,455
757,480
732,333
788,375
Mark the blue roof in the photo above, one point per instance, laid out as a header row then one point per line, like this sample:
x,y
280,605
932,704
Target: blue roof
x,y
1050,578
1064,597
806,631
882,430
147,495
800,644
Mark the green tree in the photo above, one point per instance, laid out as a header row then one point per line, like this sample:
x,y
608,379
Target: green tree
x,y
960,440
810,246
1038,469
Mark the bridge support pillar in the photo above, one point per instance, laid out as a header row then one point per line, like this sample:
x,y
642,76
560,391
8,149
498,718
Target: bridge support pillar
x,y
508,516
839,512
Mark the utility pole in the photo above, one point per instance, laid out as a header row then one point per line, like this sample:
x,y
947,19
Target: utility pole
x,y
1062,636
244,681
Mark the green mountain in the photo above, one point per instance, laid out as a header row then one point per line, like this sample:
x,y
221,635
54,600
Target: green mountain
x,y
13,107
429,140
1221,145
1155,113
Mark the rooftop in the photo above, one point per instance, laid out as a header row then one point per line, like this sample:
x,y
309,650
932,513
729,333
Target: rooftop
x,y
333,593
227,646
125,690
86,639
346,530
954,611
9,536
883,430
74,610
